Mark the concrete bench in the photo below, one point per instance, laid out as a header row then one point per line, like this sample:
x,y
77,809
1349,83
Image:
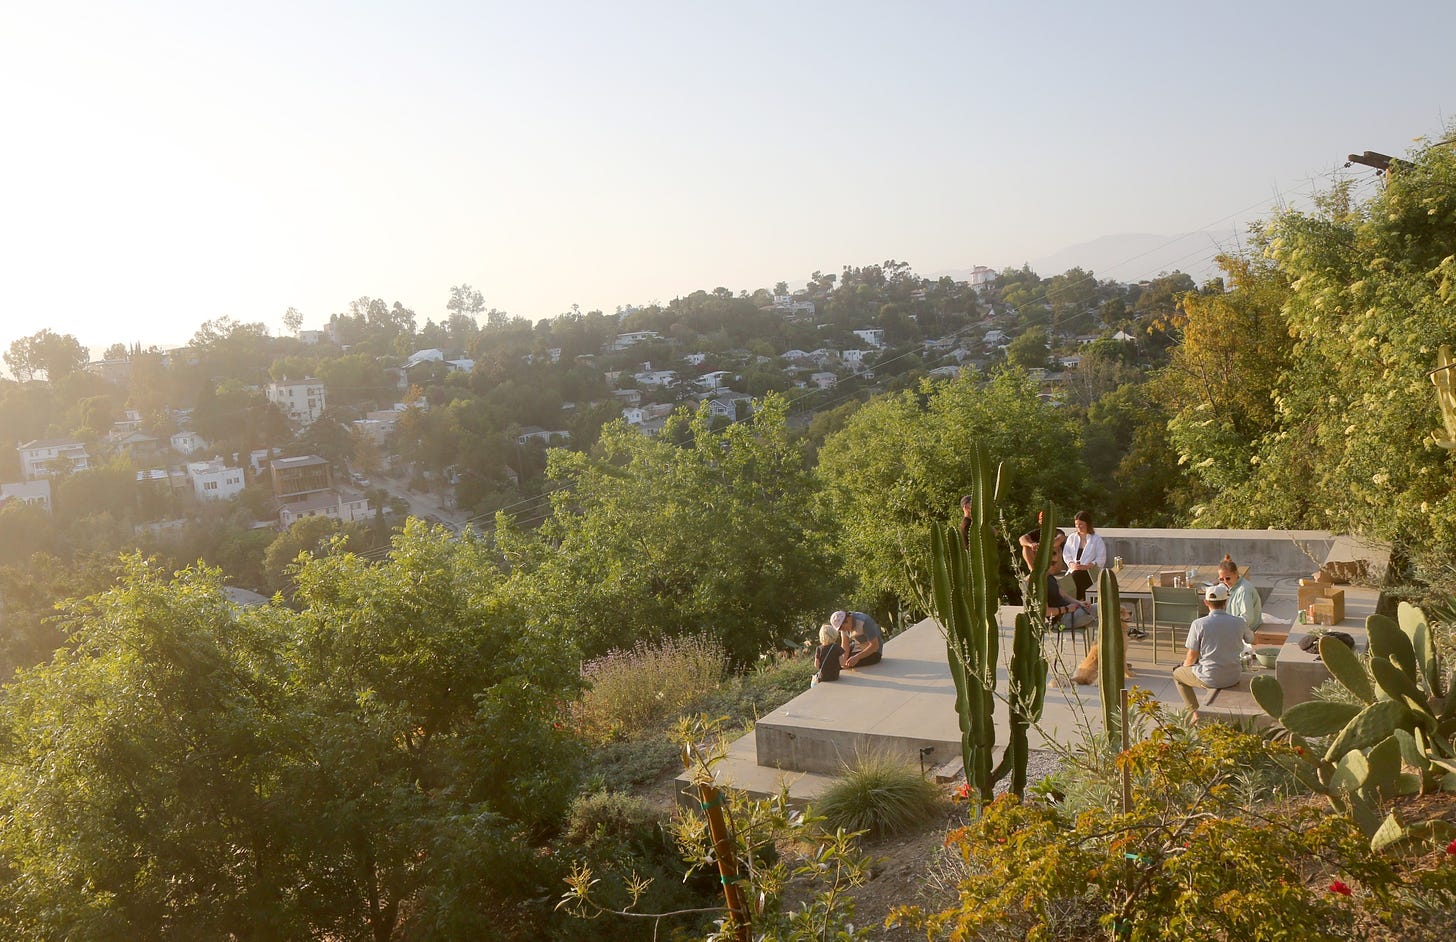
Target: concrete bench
x,y
1300,671
1233,704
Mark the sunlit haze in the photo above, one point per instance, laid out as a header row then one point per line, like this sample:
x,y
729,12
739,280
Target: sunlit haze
x,y
169,163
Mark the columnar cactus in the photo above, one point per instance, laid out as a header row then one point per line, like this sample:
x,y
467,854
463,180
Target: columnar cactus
x,y
965,595
1112,654
1400,718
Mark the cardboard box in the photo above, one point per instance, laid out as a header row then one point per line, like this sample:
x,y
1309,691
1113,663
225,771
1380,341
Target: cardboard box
x,y
1171,577
1326,601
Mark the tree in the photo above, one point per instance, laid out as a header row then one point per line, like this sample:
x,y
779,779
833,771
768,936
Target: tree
x,y
651,539
1351,446
55,355
900,465
116,351
293,321
371,766
1029,351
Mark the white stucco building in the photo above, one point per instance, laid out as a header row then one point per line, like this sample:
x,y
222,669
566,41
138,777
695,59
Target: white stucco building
x,y
302,401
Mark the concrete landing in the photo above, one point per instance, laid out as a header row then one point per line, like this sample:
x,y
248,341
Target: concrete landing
x,y
904,706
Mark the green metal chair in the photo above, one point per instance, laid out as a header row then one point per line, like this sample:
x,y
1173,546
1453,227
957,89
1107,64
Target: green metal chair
x,y
1173,609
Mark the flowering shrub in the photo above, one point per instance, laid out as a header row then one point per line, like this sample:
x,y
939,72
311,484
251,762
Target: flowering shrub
x,y
1192,857
636,692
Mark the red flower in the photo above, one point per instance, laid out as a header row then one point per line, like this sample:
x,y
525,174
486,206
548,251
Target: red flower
x,y
1451,848
1299,750
1340,887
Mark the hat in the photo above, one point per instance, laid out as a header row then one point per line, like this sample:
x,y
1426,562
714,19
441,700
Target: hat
x,y
837,619
1216,593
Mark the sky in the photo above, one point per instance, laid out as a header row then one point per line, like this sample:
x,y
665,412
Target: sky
x,y
164,164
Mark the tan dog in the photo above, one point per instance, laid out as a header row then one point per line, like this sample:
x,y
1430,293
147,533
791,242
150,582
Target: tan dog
x,y
1086,672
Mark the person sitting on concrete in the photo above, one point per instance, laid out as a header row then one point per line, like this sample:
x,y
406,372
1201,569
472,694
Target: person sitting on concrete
x,y
1214,644
1244,602
826,657
860,636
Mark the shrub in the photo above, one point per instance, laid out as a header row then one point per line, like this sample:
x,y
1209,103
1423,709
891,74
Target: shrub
x,y
639,692
879,795
1195,855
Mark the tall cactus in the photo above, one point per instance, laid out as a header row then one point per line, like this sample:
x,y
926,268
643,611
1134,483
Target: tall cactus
x,y
1399,720
965,583
1112,654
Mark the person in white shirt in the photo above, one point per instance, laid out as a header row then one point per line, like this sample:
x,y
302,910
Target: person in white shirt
x,y
1083,550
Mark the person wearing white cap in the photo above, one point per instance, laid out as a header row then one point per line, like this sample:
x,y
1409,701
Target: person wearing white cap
x,y
1215,642
860,636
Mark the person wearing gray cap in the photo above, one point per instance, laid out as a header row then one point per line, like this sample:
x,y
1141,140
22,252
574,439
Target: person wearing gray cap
x,y
860,636
1215,642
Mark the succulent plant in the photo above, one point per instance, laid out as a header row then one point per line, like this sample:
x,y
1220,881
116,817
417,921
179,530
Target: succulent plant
x,y
1401,720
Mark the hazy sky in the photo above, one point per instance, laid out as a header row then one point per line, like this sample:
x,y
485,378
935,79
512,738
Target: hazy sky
x,y
167,163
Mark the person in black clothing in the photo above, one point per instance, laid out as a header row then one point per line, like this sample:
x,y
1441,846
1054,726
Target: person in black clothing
x,y
826,658
1031,540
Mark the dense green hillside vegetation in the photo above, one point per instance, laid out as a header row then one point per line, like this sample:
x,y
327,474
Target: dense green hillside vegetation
x,y
387,749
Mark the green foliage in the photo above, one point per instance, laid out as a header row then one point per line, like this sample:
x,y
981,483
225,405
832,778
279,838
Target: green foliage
x,y
881,796
902,461
640,692
651,540
1196,855
372,765
795,873
1352,446
1393,717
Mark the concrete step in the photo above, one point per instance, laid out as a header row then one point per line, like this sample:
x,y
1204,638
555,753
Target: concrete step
x,y
740,770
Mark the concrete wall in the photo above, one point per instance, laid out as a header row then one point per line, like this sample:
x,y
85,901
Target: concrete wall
x,y
1267,553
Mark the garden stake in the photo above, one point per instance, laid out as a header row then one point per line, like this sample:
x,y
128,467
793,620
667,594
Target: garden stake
x,y
710,799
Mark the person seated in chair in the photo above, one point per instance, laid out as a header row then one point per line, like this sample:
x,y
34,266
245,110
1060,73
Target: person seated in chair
x,y
1244,602
1071,613
1214,644
1031,541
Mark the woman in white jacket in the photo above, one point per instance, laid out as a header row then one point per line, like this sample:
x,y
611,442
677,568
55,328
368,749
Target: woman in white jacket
x,y
1083,550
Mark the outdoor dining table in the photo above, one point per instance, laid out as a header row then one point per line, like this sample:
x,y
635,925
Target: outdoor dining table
x,y
1135,581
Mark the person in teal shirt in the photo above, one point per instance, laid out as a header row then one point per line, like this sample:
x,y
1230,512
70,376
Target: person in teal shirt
x,y
1243,598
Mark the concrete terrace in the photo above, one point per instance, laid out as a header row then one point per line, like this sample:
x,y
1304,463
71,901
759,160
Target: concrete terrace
x,y
905,705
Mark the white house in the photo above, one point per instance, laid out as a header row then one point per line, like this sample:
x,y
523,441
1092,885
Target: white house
x,y
656,378
638,415
854,358
312,337
632,338
695,359
982,277
260,456
795,354
627,397
44,457
529,432
213,480
27,492
301,401
786,302
994,337
712,380
823,380
873,336
188,442
326,504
